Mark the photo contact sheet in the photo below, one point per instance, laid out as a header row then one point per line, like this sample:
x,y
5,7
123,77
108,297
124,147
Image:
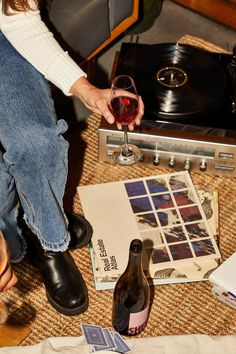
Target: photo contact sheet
x,y
176,222
170,219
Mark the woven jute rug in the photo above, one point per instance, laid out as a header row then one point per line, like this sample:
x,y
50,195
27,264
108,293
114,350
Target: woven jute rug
x,y
177,308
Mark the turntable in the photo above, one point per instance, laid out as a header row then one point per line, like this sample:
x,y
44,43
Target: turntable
x,y
189,97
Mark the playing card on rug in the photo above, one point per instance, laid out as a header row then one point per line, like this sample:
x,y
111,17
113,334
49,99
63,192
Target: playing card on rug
x,y
121,346
94,335
112,341
109,338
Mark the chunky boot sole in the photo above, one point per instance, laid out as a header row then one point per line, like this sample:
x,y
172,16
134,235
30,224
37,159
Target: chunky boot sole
x,y
67,312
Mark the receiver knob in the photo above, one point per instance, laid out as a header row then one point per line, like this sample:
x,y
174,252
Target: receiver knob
x,y
172,162
203,166
187,165
156,160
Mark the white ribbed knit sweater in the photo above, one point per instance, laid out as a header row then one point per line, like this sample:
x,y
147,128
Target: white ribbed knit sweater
x,y
32,39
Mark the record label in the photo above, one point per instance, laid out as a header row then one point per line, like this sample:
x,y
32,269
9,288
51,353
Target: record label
x,y
171,77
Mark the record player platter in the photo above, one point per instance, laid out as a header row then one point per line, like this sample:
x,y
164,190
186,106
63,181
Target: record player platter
x,y
177,82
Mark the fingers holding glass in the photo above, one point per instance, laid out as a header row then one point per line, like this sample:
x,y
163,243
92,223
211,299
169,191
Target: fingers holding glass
x,y
126,107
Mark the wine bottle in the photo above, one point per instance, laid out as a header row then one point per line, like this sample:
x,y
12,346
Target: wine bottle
x,y
131,296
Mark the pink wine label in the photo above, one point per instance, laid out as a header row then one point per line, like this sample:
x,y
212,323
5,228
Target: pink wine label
x,y
137,321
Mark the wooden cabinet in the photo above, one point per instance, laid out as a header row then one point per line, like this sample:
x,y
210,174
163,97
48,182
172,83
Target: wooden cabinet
x,y
223,11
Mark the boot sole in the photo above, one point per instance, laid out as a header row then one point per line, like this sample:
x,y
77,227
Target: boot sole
x,y
67,312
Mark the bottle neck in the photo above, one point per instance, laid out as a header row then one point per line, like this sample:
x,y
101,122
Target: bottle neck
x,y
135,261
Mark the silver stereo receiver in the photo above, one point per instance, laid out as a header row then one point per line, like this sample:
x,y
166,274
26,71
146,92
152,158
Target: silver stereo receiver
x,y
177,146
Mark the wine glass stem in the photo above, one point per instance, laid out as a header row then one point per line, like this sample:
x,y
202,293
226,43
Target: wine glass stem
x,y
126,150
126,137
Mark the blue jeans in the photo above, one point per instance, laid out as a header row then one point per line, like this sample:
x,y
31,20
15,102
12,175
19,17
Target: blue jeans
x,y
33,156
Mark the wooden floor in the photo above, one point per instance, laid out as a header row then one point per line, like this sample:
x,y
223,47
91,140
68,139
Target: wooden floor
x,y
12,333
222,11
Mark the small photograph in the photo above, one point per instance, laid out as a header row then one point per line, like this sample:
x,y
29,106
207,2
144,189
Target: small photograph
x,y
203,248
168,273
180,251
207,200
168,217
163,201
135,188
157,185
178,182
151,238
146,221
159,255
140,205
197,230
184,198
191,213
174,234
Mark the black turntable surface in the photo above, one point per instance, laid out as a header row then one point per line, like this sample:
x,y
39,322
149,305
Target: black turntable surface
x,y
179,83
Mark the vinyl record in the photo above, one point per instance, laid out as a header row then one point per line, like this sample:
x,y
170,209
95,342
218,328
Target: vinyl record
x,y
176,82
188,82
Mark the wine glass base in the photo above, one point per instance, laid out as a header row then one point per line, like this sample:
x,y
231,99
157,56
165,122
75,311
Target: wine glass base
x,y
128,157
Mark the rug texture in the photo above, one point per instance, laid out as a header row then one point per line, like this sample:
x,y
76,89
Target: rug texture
x,y
176,309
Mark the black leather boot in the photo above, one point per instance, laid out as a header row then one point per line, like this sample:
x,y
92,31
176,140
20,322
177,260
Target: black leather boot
x,y
80,230
65,288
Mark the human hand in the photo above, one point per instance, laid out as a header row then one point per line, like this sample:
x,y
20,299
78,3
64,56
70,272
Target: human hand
x,y
3,313
7,276
97,100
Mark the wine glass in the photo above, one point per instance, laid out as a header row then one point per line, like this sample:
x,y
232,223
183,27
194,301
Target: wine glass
x,y
124,105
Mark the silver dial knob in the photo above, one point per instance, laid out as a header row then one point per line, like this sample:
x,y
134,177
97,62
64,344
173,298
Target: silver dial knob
x,y
203,166
156,160
187,165
172,162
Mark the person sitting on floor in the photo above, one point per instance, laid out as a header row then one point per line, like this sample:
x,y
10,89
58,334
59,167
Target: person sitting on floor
x,y
33,156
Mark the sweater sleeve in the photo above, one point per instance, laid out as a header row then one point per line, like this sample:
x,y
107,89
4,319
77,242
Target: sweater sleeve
x,y
32,39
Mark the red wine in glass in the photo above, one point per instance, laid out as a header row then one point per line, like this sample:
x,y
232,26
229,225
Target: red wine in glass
x,y
124,109
124,106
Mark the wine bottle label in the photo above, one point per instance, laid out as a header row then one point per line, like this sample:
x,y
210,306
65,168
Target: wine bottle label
x,y
137,321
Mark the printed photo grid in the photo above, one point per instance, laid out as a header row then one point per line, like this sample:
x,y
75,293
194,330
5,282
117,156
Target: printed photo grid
x,y
177,223
171,221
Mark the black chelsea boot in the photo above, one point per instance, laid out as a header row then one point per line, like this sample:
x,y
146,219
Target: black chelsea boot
x,y
65,287
66,290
